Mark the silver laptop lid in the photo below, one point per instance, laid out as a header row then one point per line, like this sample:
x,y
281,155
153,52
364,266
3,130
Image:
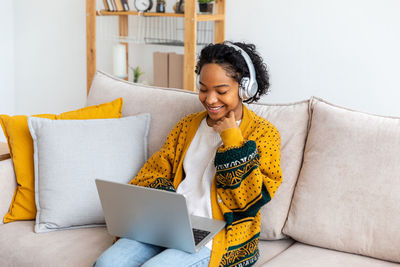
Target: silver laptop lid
x,y
147,215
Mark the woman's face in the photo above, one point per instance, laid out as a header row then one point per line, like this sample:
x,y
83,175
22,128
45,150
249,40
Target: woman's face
x,y
219,93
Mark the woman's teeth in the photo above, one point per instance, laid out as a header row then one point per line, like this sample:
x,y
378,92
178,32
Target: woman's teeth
x,y
214,108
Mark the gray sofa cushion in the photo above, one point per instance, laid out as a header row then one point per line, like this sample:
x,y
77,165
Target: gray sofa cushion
x,y
291,120
347,195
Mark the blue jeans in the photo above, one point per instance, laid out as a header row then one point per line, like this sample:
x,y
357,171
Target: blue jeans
x,y
127,252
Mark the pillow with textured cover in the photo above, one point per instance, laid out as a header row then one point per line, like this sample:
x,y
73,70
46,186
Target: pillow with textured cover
x,y
71,154
347,195
21,149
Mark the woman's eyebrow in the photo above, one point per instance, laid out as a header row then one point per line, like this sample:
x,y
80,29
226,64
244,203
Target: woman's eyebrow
x,y
221,85
217,86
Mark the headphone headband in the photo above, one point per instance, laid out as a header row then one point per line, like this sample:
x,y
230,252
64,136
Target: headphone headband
x,y
249,84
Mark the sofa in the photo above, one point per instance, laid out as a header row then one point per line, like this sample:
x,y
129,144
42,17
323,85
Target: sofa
x,y
338,205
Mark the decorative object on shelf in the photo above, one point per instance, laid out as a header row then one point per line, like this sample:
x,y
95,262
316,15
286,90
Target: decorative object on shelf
x,y
143,5
206,6
136,73
179,7
160,8
119,61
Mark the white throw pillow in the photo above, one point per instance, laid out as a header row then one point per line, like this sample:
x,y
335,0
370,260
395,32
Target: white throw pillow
x,y
70,154
347,196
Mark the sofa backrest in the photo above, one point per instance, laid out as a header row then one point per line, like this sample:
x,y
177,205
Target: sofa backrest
x,y
167,106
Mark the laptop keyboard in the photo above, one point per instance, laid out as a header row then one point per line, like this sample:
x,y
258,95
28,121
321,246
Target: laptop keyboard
x,y
199,235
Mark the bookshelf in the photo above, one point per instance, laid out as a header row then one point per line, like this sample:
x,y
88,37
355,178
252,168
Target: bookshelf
x,y
190,35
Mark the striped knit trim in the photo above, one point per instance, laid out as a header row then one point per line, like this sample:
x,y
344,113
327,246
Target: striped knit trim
x,y
245,254
162,184
235,156
233,217
230,171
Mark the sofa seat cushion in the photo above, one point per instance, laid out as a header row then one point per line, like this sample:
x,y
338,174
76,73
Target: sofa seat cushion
x,y
302,255
20,246
270,249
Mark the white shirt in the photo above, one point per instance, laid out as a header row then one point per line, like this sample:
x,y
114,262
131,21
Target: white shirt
x,y
199,168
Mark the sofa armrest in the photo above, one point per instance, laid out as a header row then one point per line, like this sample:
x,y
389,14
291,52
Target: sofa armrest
x,y
4,152
7,186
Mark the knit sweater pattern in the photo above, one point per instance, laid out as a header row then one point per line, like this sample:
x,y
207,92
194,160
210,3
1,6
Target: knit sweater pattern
x,y
248,174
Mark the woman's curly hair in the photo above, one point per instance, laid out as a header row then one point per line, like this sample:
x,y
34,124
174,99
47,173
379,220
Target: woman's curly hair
x,y
235,65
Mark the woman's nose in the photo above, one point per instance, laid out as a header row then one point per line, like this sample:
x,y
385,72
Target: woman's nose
x,y
211,98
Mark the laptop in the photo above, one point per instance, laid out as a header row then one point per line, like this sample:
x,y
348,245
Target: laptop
x,y
154,216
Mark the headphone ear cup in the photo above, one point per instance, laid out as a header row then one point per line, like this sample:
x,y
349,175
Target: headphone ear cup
x,y
244,85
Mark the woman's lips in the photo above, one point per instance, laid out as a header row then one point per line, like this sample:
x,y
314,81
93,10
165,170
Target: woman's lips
x,y
214,109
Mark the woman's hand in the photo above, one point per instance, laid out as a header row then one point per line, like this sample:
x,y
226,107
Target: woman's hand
x,y
226,123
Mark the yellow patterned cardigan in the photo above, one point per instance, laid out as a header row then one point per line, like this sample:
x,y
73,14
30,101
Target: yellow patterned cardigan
x,y
247,176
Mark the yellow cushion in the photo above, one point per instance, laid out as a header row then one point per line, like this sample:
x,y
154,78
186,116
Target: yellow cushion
x,y
21,149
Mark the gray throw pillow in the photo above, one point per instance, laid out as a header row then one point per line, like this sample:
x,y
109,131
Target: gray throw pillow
x,y
70,154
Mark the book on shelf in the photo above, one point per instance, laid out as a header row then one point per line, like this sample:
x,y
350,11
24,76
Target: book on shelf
x,y
111,3
125,5
106,7
118,3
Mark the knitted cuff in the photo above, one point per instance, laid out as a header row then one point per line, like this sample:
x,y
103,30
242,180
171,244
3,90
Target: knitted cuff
x,y
232,137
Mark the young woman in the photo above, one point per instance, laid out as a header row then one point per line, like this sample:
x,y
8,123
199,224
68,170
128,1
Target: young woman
x,y
224,160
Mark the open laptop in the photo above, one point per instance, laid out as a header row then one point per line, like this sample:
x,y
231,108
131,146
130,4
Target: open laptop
x,y
154,216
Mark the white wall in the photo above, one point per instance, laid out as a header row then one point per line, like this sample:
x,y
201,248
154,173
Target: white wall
x,y
7,90
50,58
346,51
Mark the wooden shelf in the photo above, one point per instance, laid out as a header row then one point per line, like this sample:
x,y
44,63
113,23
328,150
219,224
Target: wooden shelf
x,y
200,17
135,13
190,35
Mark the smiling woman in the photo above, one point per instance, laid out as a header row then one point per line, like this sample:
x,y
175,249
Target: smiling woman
x,y
219,94
225,160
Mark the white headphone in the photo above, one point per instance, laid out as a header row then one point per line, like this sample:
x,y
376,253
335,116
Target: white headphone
x,y
248,85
